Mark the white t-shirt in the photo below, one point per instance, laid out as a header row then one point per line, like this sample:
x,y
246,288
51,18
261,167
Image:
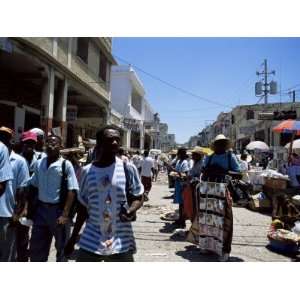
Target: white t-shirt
x,y
147,165
137,160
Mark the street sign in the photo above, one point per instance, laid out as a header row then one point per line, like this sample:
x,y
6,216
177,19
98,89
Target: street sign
x,y
266,116
131,124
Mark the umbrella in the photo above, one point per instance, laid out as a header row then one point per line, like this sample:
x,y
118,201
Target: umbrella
x,y
296,144
289,126
257,145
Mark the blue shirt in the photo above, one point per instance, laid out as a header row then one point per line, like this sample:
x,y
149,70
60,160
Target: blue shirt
x,y
223,161
20,171
33,164
7,201
103,191
48,180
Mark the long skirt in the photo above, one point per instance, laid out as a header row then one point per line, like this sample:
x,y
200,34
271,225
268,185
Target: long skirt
x,y
215,217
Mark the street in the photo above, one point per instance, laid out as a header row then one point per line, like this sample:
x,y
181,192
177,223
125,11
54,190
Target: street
x,y
156,243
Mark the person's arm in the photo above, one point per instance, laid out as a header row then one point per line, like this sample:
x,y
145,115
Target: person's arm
x,y
81,217
72,188
82,213
136,190
5,168
21,183
235,166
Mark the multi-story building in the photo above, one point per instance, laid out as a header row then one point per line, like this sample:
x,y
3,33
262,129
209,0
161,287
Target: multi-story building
x,y
128,99
171,140
248,125
59,84
193,141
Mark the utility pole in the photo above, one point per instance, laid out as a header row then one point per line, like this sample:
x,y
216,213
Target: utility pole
x,y
266,81
268,87
294,96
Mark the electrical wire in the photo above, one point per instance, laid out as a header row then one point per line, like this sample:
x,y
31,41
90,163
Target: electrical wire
x,y
172,85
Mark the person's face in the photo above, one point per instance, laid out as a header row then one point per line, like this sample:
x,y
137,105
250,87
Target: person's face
x,y
5,138
221,146
40,141
111,141
196,156
182,154
53,146
29,147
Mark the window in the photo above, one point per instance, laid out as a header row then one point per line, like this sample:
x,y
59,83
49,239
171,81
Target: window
x,y
136,101
102,66
83,48
232,119
250,114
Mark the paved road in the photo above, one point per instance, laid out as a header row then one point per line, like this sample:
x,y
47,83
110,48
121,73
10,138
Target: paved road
x,y
155,242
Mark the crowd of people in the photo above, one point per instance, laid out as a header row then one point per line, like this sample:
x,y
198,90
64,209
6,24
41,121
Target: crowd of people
x,y
42,190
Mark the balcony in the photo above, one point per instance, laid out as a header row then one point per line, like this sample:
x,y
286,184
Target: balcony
x,y
107,42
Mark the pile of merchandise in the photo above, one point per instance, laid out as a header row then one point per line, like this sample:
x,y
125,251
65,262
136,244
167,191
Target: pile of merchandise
x,y
283,240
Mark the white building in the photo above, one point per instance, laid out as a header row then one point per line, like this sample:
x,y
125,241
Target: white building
x,y
128,99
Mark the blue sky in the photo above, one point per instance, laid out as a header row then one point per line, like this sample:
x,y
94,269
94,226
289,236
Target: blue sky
x,y
220,69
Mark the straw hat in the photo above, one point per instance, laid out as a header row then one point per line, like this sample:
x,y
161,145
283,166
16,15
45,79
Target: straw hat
x,y
220,137
7,130
198,150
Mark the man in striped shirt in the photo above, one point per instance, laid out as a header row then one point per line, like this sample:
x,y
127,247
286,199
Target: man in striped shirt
x,y
111,193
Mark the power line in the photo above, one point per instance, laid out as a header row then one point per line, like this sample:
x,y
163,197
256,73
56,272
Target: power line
x,y
172,85
291,87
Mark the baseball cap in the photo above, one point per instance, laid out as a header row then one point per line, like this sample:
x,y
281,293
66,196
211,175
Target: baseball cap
x,y
38,131
28,135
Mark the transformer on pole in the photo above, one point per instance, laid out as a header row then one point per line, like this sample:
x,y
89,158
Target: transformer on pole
x,y
263,87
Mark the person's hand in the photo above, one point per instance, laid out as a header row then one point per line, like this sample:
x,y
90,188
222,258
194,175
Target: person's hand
x,y
127,215
15,218
62,220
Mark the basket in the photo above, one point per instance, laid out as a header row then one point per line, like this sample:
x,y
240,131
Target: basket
x,y
275,183
283,246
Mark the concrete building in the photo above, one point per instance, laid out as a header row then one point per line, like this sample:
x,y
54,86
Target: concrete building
x,y
247,125
171,140
193,141
59,84
140,122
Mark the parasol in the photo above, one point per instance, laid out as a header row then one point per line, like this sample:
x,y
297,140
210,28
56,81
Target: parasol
x,y
296,145
289,126
257,145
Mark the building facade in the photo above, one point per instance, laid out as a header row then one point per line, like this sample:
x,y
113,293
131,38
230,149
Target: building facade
x,y
246,123
140,122
59,84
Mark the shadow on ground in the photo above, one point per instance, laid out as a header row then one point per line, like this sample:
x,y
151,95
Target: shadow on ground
x,y
192,254
168,228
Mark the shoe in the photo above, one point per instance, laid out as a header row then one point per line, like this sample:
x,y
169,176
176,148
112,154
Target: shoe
x,y
224,257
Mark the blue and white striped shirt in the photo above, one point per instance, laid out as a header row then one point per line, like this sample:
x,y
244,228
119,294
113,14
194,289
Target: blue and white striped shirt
x,y
103,190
